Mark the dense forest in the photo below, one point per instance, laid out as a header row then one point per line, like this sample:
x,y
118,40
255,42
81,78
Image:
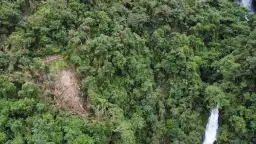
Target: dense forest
x,y
149,71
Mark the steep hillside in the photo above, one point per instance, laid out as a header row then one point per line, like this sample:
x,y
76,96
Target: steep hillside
x,y
110,72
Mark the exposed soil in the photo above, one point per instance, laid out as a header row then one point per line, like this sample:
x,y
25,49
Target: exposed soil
x,y
67,92
51,58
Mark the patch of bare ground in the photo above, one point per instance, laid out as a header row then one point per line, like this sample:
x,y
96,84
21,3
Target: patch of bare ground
x,y
51,58
67,94
66,90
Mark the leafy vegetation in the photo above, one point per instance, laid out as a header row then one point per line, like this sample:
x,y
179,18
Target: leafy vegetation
x,y
150,70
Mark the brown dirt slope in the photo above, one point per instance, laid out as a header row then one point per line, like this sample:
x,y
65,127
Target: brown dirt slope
x,y
67,92
51,58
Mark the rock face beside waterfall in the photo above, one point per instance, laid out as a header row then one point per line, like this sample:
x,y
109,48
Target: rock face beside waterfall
x,y
254,4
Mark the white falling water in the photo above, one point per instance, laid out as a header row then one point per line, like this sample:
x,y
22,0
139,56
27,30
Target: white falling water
x,y
247,3
211,129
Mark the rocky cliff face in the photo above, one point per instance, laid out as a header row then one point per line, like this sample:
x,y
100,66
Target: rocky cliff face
x,y
254,5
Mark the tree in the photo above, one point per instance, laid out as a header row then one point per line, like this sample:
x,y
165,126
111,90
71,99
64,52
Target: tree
x,y
7,89
29,90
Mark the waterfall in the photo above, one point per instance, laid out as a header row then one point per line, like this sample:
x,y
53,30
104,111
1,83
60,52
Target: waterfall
x,y
210,135
248,4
